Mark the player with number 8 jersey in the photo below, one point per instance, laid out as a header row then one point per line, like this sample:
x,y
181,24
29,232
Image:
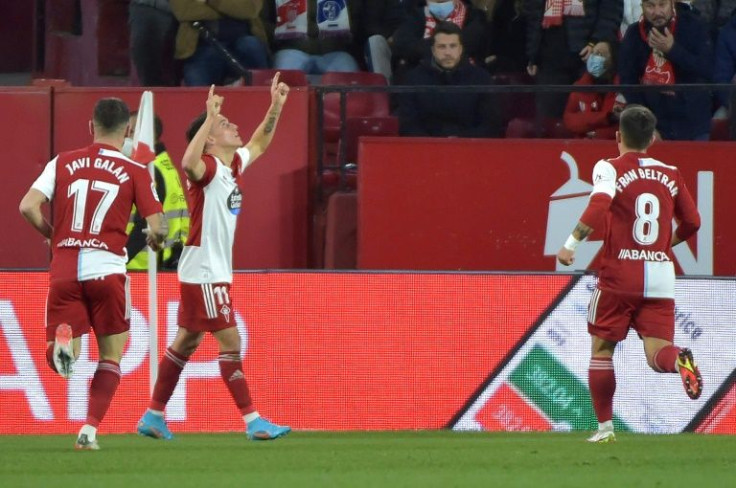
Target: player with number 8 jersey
x,y
92,191
634,200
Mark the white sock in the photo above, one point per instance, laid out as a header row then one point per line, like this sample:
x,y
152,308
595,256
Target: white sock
x,y
607,425
250,417
90,431
158,413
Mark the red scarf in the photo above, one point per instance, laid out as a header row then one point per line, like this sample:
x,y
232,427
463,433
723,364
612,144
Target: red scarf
x,y
456,17
555,9
659,69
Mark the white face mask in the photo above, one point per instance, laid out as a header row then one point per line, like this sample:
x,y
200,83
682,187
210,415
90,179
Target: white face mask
x,y
127,147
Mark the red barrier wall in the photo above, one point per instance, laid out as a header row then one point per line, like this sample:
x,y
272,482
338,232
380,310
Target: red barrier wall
x,y
272,232
25,122
455,204
375,351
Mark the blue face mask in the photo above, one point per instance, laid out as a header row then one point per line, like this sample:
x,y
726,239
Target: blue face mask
x,y
596,65
441,10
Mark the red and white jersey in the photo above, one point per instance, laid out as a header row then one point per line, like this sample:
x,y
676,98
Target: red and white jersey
x,y
214,205
637,251
92,191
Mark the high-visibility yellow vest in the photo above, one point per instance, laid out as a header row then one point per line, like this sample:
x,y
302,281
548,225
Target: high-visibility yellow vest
x,y
175,211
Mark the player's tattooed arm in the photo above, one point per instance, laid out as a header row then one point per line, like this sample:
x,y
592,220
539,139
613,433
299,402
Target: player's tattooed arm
x,y
264,133
581,231
271,118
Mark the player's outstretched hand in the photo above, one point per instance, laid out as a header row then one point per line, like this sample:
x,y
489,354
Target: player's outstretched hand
x,y
279,91
214,103
566,256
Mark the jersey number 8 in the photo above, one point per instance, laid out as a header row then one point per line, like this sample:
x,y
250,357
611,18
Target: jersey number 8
x,y
646,225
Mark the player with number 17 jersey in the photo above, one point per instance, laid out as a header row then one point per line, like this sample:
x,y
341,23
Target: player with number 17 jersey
x,y
646,195
92,191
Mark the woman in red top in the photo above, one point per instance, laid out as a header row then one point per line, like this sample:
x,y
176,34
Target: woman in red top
x,y
595,114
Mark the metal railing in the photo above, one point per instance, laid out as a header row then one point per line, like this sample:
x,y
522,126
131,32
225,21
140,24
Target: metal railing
x,y
343,167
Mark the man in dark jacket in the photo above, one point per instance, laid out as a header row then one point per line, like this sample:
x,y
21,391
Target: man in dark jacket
x,y
725,65
669,47
436,114
413,39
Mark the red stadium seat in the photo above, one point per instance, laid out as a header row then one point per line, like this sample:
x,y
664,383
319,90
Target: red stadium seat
x,y
520,128
515,105
358,104
366,126
555,129
292,77
720,130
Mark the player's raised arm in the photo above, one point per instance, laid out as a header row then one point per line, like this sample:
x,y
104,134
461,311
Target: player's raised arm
x,y
263,134
192,163
30,208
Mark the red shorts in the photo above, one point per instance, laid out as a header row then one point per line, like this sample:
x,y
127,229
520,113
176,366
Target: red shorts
x,y
205,307
102,304
610,315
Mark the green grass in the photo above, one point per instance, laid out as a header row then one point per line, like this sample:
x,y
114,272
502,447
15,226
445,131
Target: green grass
x,y
381,459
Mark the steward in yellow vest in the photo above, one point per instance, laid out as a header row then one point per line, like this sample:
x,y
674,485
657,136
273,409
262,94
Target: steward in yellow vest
x,y
172,197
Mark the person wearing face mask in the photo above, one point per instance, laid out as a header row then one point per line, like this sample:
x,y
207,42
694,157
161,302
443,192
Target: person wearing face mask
x,y
412,41
595,114
424,114
560,36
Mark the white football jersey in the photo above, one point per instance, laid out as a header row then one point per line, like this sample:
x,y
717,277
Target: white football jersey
x,y
214,205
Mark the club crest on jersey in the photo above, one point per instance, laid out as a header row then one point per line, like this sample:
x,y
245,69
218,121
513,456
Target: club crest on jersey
x,y
225,310
234,201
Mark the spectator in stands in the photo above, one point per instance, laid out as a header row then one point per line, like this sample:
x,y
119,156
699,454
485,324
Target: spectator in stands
x,y
725,66
715,13
413,39
314,36
382,18
508,28
667,48
595,114
152,33
235,24
632,14
560,36
453,114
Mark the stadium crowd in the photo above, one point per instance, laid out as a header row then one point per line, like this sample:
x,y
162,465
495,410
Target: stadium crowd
x,y
531,42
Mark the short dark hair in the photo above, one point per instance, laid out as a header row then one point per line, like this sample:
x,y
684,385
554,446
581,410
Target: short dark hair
x,y
447,28
110,115
637,125
195,125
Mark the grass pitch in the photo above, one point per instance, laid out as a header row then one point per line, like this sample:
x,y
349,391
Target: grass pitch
x,y
377,459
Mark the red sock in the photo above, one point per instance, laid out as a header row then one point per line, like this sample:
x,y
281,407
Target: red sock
x,y
50,357
104,383
169,370
602,383
665,360
231,370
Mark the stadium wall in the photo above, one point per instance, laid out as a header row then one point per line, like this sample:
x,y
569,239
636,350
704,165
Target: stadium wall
x,y
506,205
273,228
383,351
